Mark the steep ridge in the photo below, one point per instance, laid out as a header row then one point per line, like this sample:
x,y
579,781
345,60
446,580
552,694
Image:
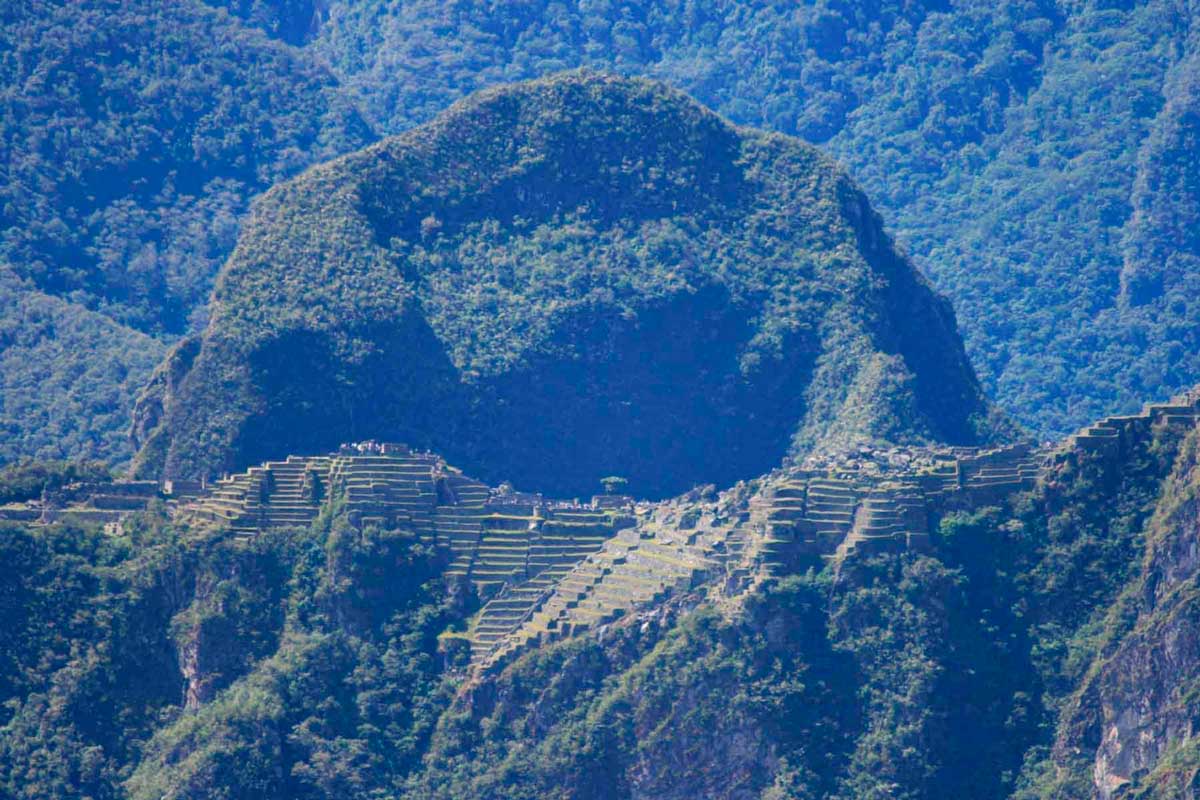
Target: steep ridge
x,y
1052,288
582,259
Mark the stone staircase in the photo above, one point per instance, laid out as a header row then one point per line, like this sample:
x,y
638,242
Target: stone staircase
x,y
838,513
829,510
231,502
547,570
505,612
286,504
805,513
664,553
993,474
527,564
502,556
513,553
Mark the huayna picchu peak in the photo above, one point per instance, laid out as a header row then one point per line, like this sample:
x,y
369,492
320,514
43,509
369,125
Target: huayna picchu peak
x,y
561,280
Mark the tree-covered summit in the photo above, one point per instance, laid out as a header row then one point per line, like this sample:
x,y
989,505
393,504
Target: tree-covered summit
x,y
565,279
1036,159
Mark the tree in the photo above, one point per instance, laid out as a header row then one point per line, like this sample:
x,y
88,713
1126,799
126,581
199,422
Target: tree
x,y
614,484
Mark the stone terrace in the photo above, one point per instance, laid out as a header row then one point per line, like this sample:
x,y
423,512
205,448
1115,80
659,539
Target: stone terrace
x,y
548,569
106,503
829,510
513,548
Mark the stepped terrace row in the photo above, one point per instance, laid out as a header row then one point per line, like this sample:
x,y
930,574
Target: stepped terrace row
x,y
548,570
513,548
672,548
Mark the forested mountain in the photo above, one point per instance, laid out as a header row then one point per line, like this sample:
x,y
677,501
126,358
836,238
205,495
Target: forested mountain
x,y
1035,159
135,135
132,137
563,280
706,252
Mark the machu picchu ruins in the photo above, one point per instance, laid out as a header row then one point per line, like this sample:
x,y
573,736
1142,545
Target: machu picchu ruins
x,y
547,568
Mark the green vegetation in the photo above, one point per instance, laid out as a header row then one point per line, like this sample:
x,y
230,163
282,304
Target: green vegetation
x,y
591,269
85,659
586,275
900,680
1034,159
146,156
314,670
68,376
135,134
26,479
345,702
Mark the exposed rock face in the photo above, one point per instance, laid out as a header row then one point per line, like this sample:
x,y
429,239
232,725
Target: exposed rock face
x,y
1143,702
1138,707
197,683
563,280
152,402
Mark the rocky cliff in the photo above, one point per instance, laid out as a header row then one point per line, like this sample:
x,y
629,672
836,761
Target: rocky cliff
x,y
1133,720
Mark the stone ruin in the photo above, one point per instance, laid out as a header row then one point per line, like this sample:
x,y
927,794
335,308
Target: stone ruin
x,y
827,510
106,503
553,568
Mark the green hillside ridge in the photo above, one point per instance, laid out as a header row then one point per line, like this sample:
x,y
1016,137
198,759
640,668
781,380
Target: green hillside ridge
x,y
633,274
562,280
126,189
1032,157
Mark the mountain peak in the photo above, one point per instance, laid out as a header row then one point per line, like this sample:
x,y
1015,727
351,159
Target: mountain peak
x,y
562,280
